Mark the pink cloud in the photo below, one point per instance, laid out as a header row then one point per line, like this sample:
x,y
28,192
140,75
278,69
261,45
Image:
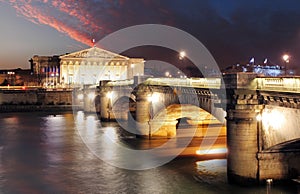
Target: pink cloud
x,y
83,20
41,15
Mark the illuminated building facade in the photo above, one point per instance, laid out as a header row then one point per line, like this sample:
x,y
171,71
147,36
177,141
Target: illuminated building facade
x,y
91,65
46,70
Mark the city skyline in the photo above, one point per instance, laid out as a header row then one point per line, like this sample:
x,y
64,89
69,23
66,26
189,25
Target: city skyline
x,y
233,32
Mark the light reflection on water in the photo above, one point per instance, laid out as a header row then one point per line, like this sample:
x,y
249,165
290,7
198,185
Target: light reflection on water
x,y
42,153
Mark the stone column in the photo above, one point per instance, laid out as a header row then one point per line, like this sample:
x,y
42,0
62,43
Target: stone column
x,y
143,113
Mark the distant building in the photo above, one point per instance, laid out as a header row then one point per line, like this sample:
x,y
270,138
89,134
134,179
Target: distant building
x,y
264,70
16,77
46,69
91,65
87,66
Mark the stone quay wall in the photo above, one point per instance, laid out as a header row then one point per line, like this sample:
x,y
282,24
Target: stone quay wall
x,y
35,100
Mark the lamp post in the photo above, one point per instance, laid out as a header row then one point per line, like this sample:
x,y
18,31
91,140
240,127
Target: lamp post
x,y
182,55
286,59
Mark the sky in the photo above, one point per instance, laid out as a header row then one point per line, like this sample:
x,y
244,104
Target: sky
x,y
233,31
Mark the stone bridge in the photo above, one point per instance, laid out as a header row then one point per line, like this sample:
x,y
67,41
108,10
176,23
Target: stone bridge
x,y
261,113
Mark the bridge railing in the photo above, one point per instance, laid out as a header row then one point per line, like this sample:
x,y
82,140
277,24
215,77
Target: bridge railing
x,y
280,84
206,82
186,82
120,83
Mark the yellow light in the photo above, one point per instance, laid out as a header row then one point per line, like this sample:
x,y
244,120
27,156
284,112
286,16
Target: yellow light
x,y
212,151
286,58
182,54
259,117
269,181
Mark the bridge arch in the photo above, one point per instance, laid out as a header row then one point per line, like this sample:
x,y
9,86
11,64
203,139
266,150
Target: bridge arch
x,y
165,122
279,125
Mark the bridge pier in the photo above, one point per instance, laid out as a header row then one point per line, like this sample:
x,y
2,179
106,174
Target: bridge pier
x,y
105,103
242,144
89,95
143,112
146,124
243,129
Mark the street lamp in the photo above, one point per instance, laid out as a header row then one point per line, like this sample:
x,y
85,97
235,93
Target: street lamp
x,y
286,59
182,54
167,74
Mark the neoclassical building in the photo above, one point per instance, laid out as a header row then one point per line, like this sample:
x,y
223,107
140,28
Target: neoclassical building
x,y
91,65
87,66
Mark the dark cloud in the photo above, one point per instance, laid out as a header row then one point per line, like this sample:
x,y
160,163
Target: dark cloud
x,y
233,31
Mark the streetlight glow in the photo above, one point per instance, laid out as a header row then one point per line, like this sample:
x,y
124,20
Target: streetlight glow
x,y
259,117
286,58
167,74
182,54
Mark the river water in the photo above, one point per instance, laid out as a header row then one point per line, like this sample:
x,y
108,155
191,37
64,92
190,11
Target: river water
x,y
45,153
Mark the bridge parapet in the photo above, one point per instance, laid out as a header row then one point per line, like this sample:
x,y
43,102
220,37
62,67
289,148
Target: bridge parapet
x,y
109,83
252,81
209,83
279,84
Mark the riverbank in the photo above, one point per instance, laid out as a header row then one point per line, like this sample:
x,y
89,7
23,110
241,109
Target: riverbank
x,y
38,108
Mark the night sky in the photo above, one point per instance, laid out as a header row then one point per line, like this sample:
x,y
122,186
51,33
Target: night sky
x,y
233,31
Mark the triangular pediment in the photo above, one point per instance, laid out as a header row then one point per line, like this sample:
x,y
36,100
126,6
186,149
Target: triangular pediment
x,y
94,52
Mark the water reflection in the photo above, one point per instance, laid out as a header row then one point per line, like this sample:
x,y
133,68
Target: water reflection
x,y
41,153
212,151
